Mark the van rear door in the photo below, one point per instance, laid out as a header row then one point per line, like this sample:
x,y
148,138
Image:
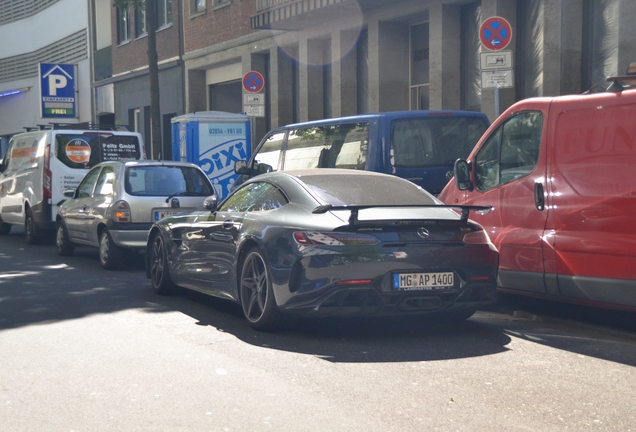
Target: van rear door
x,y
424,148
75,152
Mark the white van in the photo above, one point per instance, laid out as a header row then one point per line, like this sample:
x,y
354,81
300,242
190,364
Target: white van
x,y
40,165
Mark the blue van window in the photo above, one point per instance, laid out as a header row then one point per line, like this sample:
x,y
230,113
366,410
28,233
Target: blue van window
x,y
332,146
269,152
433,141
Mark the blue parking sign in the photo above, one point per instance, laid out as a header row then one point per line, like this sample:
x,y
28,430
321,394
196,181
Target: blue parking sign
x,y
57,90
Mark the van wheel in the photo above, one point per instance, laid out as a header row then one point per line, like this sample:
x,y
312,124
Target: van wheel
x,y
30,232
62,240
5,228
109,253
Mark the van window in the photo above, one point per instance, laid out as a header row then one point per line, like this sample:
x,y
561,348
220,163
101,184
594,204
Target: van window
x,y
89,149
332,146
433,141
21,153
269,153
511,152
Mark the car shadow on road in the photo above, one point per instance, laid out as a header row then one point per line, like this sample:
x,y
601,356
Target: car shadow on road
x,y
39,287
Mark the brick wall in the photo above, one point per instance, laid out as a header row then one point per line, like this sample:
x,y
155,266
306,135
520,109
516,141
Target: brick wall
x,y
217,24
134,54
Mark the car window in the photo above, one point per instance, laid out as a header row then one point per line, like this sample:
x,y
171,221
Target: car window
x,y
331,146
85,189
511,152
259,196
343,189
105,182
165,180
269,153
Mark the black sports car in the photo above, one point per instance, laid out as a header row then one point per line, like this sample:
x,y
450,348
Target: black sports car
x,y
328,242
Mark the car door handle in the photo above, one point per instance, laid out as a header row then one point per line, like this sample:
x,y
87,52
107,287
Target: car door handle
x,y
539,197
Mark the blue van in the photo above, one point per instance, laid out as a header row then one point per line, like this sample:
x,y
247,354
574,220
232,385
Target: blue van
x,y
420,146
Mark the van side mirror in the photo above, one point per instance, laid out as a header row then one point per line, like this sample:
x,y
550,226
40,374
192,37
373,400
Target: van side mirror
x,y
240,167
262,168
462,175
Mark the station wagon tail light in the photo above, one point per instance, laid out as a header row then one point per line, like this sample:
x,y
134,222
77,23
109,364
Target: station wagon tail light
x,y
121,212
334,238
477,237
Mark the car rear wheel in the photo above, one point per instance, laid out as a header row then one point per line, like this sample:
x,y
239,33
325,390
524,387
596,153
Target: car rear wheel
x,y
158,262
256,295
109,253
30,232
62,240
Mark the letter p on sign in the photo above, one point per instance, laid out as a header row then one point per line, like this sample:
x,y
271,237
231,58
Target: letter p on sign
x,y
56,82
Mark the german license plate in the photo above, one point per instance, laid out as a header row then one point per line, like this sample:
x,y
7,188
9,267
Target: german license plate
x,y
423,281
160,214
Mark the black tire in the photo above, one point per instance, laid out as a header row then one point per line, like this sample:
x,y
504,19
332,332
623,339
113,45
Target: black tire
x,y
109,254
256,294
5,228
64,245
30,230
158,267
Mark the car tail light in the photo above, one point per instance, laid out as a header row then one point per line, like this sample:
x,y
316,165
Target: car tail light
x,y
355,282
334,238
46,183
477,237
121,212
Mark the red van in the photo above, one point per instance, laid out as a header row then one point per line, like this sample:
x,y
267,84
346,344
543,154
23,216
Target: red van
x,y
560,174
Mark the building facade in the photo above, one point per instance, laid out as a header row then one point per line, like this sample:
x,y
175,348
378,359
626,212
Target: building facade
x,y
41,31
122,89
326,58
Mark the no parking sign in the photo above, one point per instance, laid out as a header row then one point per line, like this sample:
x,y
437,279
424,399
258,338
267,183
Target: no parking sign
x,y
495,33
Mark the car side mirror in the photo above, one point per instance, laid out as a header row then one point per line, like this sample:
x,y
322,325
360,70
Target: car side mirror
x,y
69,193
262,168
461,172
211,203
240,167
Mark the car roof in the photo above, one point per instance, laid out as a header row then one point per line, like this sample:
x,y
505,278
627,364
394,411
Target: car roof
x,y
150,163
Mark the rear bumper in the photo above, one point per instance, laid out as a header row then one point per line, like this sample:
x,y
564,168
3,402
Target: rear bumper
x,y
367,301
135,238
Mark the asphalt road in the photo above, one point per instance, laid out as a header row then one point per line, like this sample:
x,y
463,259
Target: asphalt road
x,y
84,349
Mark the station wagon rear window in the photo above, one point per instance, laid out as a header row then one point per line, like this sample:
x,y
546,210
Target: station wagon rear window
x,y
89,149
163,180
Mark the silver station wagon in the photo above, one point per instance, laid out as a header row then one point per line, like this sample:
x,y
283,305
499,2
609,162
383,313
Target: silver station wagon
x,y
117,202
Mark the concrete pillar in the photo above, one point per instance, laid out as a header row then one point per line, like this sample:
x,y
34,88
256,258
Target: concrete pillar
x,y
281,75
445,56
571,46
393,66
344,87
197,94
311,79
626,35
506,9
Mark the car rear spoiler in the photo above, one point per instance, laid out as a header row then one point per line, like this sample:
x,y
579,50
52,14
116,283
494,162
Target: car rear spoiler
x,y
354,209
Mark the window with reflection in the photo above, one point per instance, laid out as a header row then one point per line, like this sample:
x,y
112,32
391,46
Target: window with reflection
x,y
254,197
511,152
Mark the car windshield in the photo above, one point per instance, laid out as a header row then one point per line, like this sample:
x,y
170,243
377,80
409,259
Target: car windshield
x,y
165,180
343,189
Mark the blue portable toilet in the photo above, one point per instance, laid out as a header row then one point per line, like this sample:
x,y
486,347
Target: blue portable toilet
x,y
214,140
